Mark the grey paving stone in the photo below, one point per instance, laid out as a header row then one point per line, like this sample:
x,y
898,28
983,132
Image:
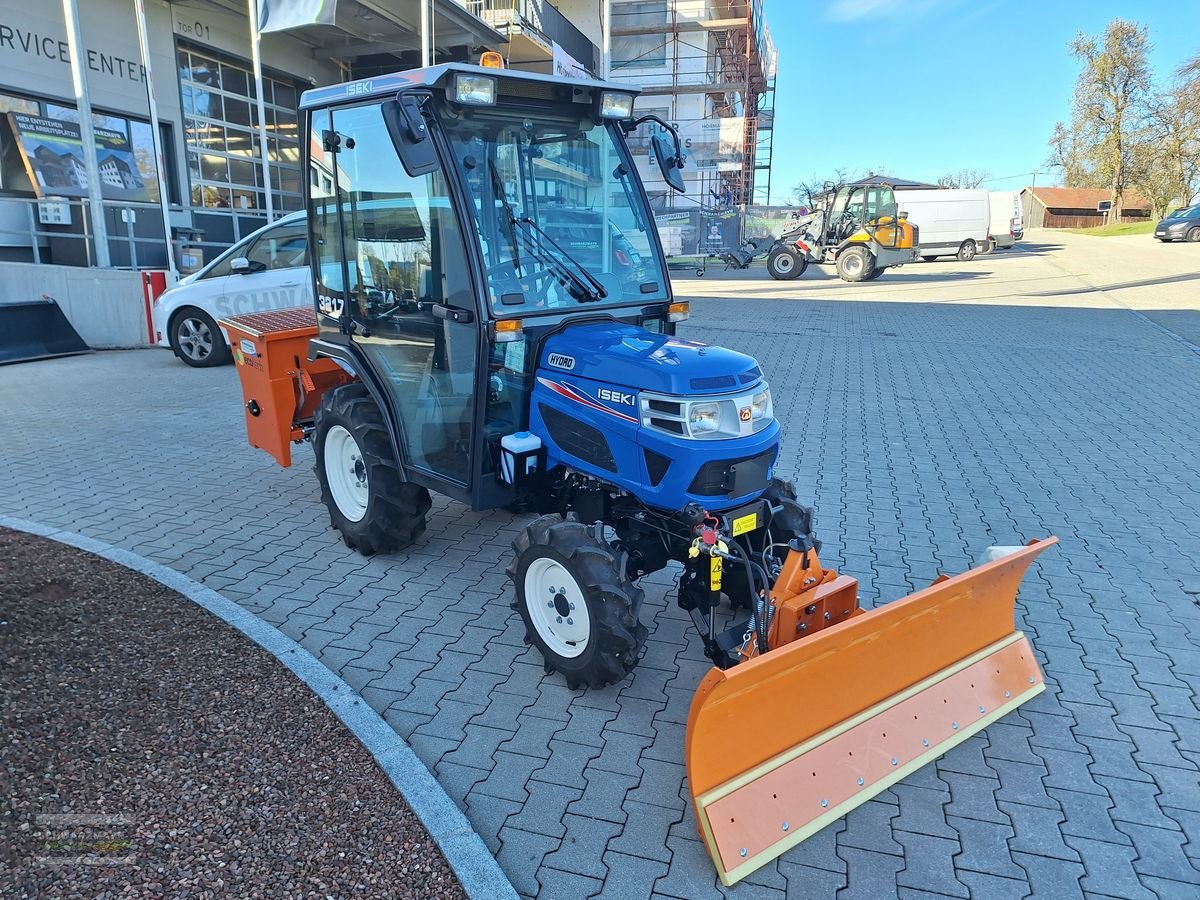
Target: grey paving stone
x,y
984,848
510,776
583,845
809,882
1089,816
1036,830
521,854
645,831
869,875
691,874
989,887
1160,853
869,827
488,815
1134,801
929,864
922,811
1109,869
557,884
1050,877
604,795
543,812
973,797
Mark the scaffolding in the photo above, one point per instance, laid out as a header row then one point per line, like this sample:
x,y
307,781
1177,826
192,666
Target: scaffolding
x,y
710,65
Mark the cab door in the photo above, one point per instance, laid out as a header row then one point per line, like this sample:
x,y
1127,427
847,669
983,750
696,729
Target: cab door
x,y
394,254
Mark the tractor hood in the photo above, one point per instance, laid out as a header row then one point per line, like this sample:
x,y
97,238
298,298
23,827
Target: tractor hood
x,y
633,357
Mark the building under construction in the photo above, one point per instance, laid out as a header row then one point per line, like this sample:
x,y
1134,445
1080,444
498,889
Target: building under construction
x,y
707,66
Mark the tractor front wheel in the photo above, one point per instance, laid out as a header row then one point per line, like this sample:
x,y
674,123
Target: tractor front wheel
x,y
784,264
855,264
373,508
579,606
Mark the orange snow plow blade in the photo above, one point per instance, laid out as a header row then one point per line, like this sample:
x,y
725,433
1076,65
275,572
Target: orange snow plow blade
x,y
786,742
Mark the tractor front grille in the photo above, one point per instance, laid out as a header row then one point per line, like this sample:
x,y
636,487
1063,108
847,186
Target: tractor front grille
x,y
580,439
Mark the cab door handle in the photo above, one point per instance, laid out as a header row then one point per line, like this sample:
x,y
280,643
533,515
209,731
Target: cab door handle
x,y
452,314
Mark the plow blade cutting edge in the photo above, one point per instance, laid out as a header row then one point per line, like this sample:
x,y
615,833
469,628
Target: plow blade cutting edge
x,y
785,743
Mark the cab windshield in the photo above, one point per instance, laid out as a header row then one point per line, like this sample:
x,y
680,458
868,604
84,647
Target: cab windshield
x,y
560,219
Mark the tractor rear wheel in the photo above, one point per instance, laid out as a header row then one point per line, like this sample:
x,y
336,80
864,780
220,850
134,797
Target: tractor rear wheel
x,y
373,508
578,604
855,264
784,264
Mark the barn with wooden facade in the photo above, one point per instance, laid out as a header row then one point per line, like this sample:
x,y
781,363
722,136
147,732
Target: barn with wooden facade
x,y
1060,207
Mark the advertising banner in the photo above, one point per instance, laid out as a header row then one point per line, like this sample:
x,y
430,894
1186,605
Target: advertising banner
x,y
280,15
716,143
53,154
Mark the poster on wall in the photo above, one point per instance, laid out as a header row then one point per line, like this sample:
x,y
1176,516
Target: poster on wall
x,y
53,154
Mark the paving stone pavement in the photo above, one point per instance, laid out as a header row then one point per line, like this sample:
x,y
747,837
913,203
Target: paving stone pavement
x,y
921,432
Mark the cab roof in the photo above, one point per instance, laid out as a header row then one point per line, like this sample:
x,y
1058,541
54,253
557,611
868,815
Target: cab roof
x,y
386,86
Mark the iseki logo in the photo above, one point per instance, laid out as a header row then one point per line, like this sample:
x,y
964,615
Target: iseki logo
x,y
744,413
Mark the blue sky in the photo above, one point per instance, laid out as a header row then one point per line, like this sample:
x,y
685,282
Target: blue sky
x,y
957,84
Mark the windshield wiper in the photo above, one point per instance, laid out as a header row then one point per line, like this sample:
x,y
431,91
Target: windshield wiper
x,y
597,290
578,288
511,217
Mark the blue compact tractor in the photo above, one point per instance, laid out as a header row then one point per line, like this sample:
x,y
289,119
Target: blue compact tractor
x,y
494,322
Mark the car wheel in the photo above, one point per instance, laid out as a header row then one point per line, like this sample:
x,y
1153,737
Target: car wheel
x,y
929,258
1193,234
967,251
196,339
785,264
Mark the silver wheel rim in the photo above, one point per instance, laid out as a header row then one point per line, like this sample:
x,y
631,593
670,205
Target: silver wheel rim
x,y
784,264
853,264
557,607
968,251
346,473
195,338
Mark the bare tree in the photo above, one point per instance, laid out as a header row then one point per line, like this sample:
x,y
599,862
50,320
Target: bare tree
x,y
964,178
1108,107
1169,169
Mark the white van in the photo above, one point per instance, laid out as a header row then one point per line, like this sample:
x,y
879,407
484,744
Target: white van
x,y
951,222
1008,222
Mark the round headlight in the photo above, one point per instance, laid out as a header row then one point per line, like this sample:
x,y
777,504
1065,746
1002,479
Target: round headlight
x,y
704,417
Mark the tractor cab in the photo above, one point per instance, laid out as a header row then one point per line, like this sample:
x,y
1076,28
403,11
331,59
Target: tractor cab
x,y
461,218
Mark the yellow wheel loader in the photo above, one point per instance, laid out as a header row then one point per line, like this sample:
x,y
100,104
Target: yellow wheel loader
x,y
493,321
856,227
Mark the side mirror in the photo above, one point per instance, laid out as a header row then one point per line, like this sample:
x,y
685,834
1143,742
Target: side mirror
x,y
410,136
239,265
666,154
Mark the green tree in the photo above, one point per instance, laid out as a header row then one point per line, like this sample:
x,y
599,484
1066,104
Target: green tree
x,y
1109,106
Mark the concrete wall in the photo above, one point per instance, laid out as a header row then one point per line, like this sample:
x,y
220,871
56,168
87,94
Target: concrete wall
x,y
104,305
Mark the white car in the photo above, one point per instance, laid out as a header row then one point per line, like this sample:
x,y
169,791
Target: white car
x,y
267,270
